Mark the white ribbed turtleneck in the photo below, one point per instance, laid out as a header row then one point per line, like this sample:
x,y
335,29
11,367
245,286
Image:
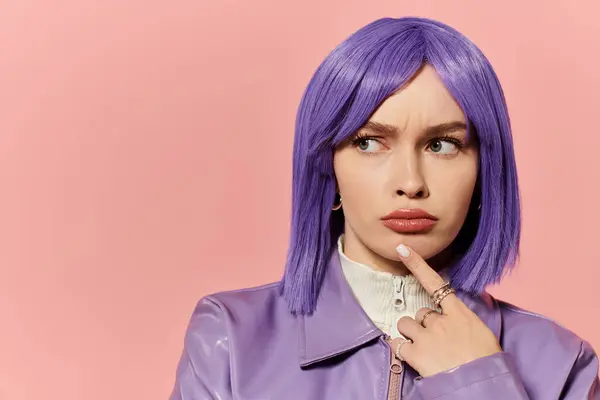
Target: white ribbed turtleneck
x,y
384,297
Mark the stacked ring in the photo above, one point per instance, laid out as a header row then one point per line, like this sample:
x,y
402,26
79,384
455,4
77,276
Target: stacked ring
x,y
440,293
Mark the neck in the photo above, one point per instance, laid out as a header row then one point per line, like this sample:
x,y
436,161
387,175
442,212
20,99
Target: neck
x,y
357,251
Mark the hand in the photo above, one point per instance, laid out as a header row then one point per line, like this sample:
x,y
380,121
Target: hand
x,y
455,337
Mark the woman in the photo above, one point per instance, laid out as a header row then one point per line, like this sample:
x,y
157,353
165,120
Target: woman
x,y
403,153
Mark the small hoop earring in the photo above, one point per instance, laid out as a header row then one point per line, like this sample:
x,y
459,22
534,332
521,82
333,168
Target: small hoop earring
x,y
479,207
337,205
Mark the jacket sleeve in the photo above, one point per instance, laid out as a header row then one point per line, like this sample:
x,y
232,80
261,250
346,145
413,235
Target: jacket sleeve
x,y
495,378
492,378
203,371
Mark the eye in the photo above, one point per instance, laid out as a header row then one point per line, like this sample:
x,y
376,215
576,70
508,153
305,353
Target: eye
x,y
444,146
367,144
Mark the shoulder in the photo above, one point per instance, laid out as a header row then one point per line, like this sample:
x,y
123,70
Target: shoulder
x,y
246,301
541,344
240,311
527,326
222,326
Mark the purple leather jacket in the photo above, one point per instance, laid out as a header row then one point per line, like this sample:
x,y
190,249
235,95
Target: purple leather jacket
x,y
245,345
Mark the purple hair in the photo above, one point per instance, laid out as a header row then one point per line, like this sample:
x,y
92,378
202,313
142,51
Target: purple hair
x,y
346,89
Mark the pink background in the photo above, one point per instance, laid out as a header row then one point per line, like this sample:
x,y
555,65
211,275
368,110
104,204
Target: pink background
x,y
145,161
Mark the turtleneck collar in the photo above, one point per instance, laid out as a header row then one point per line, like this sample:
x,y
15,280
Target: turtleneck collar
x,y
385,297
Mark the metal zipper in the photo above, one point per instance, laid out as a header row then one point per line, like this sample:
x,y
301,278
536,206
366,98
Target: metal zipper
x,y
399,300
396,372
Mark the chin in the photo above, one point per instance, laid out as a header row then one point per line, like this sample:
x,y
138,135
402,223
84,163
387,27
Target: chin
x,y
426,245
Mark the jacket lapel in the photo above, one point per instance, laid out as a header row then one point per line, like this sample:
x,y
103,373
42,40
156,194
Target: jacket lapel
x,y
339,324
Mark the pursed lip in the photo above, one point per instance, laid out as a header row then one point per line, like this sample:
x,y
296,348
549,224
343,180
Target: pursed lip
x,y
409,213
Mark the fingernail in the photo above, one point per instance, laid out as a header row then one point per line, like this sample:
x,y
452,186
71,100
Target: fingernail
x,y
403,251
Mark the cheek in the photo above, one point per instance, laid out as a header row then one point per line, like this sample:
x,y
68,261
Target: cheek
x,y
460,191
361,190
457,188
357,183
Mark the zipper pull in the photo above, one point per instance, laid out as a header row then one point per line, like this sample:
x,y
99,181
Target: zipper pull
x,y
399,292
396,366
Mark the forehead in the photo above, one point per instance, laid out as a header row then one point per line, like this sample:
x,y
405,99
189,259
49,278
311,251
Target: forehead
x,y
424,100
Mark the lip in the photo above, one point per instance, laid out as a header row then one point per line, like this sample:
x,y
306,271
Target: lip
x,y
409,220
409,213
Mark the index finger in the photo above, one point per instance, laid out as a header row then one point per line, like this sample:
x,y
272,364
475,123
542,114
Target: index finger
x,y
426,275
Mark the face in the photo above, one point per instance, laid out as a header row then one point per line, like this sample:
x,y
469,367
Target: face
x,y
411,155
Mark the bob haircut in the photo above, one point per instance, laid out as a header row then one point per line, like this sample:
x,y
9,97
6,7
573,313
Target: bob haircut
x,y
348,86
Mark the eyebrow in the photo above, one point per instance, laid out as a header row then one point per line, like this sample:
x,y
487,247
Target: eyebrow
x,y
431,131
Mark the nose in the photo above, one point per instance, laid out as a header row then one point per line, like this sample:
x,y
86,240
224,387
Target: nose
x,y
408,177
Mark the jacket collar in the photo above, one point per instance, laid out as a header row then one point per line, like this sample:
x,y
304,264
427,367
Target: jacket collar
x,y
339,324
